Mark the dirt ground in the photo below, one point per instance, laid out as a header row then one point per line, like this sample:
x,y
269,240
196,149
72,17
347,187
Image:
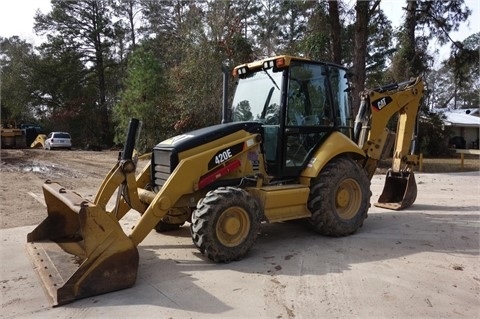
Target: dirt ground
x,y
24,171
422,262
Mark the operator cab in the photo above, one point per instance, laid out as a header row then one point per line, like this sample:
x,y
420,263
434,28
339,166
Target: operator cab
x,y
298,102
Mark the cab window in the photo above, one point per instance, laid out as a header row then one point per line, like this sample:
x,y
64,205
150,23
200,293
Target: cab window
x,y
308,99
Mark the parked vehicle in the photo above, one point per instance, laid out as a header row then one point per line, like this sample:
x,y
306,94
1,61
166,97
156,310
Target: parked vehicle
x,y
58,140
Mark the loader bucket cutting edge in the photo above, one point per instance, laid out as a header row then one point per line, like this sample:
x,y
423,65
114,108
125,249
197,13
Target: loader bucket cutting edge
x,y
80,250
399,191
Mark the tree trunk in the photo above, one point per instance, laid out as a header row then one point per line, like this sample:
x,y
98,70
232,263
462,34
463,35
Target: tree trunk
x,y
335,31
410,22
131,20
361,37
100,70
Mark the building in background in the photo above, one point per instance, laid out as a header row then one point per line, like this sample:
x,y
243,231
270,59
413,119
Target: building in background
x,y
465,124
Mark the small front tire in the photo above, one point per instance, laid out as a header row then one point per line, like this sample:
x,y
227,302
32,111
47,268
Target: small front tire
x,y
226,224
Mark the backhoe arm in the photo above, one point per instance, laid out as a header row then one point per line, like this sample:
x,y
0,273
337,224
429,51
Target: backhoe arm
x,y
379,106
371,133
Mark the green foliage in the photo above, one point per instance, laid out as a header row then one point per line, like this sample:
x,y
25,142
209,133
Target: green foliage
x,y
65,95
294,18
439,18
441,88
267,31
456,84
84,27
195,48
16,61
145,98
380,50
433,136
408,61
316,41
464,65
436,19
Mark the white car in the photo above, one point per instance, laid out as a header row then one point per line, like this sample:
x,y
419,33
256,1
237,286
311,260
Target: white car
x,y
58,140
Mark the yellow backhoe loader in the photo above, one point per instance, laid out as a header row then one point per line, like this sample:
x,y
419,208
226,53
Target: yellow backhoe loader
x,y
18,136
12,137
288,148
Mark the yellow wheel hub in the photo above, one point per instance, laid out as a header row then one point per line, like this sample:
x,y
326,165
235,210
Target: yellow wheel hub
x,y
233,226
348,198
343,197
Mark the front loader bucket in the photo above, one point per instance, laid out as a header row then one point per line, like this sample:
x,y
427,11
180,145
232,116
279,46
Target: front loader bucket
x,y
80,250
399,192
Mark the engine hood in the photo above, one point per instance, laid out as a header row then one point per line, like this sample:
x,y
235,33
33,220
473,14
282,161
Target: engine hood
x,y
205,135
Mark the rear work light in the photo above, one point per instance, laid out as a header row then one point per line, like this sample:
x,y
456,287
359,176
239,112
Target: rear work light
x,y
268,64
275,64
240,71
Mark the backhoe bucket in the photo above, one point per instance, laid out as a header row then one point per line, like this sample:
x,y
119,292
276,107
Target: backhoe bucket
x,y
399,192
80,250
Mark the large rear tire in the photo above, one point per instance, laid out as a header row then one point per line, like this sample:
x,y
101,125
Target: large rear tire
x,y
226,224
339,198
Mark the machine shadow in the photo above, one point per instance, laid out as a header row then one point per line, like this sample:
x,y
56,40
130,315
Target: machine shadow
x,y
290,249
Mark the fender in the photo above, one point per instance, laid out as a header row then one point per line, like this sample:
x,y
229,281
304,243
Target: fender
x,y
336,144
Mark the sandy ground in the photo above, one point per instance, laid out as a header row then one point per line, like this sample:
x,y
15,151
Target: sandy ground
x,y
422,262
24,171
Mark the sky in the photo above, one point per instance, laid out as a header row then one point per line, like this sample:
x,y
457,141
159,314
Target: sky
x,y
16,18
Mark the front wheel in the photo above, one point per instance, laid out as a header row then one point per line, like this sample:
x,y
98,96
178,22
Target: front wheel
x,y
226,224
339,198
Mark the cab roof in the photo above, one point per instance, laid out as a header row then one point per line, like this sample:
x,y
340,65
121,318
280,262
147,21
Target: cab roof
x,y
277,62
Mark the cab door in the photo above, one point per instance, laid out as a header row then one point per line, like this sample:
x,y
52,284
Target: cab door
x,y
308,116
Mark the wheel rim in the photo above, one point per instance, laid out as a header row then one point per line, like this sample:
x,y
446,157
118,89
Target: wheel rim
x,y
233,226
348,198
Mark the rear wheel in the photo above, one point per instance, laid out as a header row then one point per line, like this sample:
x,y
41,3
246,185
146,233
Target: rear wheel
x,y
339,198
225,224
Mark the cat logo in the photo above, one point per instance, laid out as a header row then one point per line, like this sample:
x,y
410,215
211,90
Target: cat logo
x,y
381,103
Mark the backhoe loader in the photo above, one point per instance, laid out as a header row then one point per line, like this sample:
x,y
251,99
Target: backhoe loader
x,y
288,148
